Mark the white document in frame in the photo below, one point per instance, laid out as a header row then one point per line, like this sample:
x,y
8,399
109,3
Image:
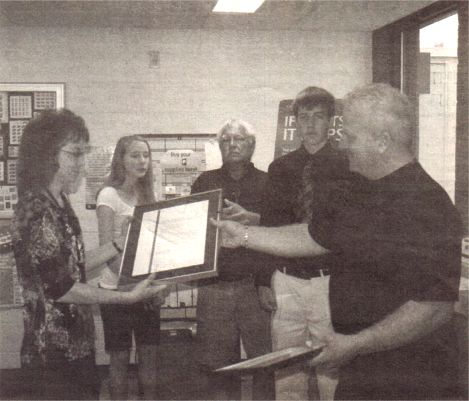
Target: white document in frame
x,y
172,238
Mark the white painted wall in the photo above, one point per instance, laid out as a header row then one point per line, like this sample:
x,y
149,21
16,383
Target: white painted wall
x,y
204,78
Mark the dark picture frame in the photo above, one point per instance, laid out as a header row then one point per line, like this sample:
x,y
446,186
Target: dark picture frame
x,y
211,202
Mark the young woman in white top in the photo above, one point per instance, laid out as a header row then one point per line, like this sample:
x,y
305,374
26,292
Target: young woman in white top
x,y
129,184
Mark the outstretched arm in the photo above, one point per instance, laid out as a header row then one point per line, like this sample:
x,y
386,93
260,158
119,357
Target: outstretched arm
x,y
87,294
287,241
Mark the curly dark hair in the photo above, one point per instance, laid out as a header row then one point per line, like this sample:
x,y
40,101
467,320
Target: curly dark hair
x,y
313,96
41,142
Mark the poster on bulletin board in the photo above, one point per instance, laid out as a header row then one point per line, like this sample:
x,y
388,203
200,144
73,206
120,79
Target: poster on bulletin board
x,y
19,103
286,139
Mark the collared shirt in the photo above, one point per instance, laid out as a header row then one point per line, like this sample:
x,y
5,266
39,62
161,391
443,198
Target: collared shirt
x,y
247,192
280,202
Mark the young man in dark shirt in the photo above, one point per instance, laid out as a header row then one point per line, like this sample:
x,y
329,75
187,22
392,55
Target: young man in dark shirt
x,y
297,289
396,238
227,306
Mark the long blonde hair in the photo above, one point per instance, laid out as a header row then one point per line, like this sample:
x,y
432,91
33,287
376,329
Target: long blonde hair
x,y
116,178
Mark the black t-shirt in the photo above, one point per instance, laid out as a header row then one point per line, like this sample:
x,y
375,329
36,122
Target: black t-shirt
x,y
395,239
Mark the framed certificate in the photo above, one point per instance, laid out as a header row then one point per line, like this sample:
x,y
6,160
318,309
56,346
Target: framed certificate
x,y
273,360
174,239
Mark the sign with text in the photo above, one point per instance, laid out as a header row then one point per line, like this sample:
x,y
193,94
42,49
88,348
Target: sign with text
x,y
182,161
287,140
179,168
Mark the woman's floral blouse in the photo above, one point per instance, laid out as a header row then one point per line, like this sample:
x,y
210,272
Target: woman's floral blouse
x,y
49,253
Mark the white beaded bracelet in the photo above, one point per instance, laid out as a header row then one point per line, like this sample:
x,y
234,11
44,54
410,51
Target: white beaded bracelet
x,y
246,236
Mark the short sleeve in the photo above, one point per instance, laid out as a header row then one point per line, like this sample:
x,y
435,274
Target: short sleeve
x,y
49,257
324,223
39,251
435,251
415,244
108,197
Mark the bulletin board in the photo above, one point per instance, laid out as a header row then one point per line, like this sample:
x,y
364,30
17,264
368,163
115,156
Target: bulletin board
x,y
286,139
19,103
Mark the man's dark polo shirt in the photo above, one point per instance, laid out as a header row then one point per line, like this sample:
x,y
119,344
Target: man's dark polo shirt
x,y
247,192
394,240
285,181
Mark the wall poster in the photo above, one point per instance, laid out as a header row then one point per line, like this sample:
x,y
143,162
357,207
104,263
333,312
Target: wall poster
x,y
19,102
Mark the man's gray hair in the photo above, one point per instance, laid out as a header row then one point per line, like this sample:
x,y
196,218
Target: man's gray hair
x,y
386,109
243,127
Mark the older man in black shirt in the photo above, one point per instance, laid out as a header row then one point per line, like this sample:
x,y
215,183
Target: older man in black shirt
x,y
227,307
396,237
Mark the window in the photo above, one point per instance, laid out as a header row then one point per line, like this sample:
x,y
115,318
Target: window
x,y
426,56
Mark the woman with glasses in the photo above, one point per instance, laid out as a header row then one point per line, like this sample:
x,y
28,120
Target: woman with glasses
x,y
57,351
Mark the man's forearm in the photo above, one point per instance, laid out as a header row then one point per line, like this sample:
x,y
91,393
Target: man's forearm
x,y
287,241
407,324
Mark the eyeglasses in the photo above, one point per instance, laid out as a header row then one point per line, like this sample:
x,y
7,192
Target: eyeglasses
x,y
77,154
225,140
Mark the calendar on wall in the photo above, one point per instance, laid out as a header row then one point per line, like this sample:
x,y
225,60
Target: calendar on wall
x,y
19,103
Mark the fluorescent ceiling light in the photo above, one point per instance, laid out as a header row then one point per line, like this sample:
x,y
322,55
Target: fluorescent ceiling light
x,y
237,6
